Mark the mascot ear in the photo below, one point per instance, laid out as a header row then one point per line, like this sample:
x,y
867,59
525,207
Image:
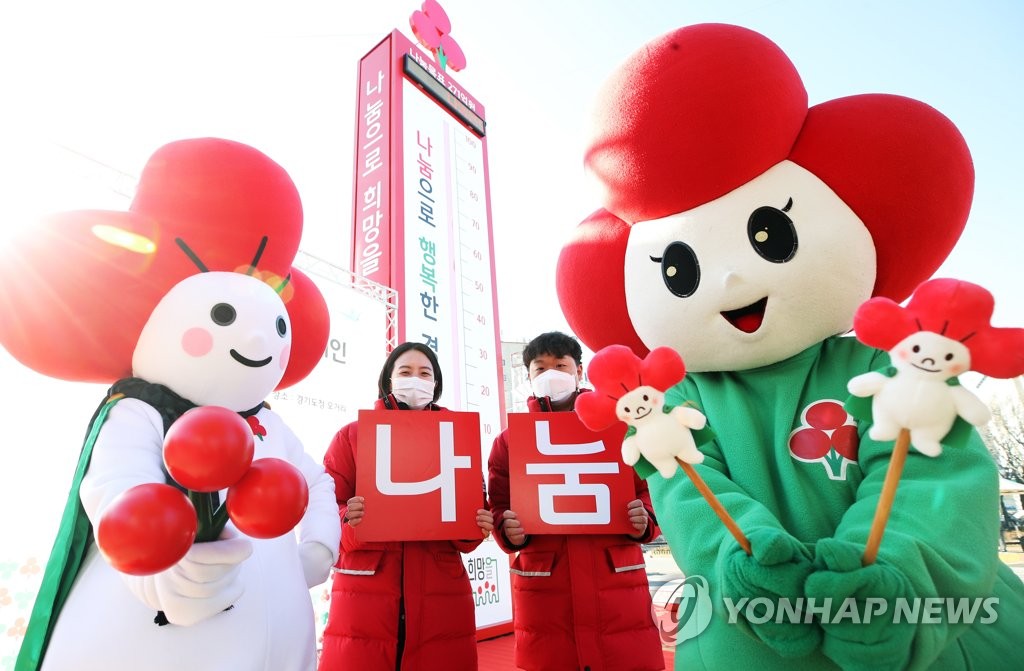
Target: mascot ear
x,y
307,311
591,280
904,169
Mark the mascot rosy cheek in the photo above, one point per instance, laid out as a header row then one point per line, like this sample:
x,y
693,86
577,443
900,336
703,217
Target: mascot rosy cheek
x,y
743,229
187,299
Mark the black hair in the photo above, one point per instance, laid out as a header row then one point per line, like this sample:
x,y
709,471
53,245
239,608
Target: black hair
x,y
384,381
554,343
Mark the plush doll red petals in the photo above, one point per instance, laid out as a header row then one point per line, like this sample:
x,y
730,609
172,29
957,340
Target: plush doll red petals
x,y
958,310
632,390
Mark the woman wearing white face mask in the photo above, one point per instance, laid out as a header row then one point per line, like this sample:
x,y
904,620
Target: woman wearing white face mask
x,y
397,605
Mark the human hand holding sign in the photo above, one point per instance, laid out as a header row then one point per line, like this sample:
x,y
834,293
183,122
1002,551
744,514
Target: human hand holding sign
x,y
513,529
485,520
356,511
637,516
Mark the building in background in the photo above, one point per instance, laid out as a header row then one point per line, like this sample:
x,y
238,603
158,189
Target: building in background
x,y
515,377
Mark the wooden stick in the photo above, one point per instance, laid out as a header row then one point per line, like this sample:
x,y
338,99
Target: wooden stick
x,y
892,480
716,505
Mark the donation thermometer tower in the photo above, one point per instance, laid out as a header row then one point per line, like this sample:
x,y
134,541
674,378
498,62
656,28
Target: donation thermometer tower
x,y
422,226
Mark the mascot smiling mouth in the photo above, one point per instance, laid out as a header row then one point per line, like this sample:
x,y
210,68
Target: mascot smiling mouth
x,y
747,319
249,362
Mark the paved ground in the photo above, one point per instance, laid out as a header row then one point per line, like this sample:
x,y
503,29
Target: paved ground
x,y
1014,558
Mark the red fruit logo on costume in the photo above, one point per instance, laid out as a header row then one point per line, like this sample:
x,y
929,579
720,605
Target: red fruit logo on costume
x,y
827,434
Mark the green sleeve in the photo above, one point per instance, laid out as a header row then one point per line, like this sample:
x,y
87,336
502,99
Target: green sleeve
x,y
942,529
683,514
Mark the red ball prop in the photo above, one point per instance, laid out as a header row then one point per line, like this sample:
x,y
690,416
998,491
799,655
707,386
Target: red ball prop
x,y
147,529
208,449
270,500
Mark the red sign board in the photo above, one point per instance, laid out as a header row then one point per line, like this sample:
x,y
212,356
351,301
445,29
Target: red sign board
x,y
371,248
566,479
420,474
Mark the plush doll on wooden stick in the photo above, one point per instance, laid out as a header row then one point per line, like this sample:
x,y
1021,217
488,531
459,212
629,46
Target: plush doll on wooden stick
x,y
943,332
632,390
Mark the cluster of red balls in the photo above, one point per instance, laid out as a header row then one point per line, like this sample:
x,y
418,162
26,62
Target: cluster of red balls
x,y
150,527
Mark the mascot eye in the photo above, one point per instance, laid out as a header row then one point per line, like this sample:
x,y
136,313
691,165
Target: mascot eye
x,y
916,349
679,269
625,409
645,397
282,326
222,314
772,233
949,357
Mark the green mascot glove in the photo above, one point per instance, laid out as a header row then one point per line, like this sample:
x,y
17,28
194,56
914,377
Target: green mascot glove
x,y
777,569
869,640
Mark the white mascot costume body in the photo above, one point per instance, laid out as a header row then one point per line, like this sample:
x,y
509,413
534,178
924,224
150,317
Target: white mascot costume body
x,y
188,299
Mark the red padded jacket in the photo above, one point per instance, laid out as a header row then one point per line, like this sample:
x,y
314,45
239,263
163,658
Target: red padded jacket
x,y
416,591
579,602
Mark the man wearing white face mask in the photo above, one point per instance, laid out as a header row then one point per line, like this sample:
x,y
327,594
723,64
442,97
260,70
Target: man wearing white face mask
x,y
580,601
400,605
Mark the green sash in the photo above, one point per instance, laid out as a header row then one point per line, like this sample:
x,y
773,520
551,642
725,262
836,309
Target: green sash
x,y
73,540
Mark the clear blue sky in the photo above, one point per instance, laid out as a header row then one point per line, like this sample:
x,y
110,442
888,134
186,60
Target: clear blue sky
x,y
114,79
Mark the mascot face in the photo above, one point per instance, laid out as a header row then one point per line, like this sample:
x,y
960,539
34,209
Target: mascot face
x,y
205,270
930,355
757,275
738,226
640,405
217,338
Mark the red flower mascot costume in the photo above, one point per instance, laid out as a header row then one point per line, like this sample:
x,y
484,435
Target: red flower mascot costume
x,y
743,229
187,299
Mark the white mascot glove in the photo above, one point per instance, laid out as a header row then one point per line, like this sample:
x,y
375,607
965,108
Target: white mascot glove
x,y
207,580
316,562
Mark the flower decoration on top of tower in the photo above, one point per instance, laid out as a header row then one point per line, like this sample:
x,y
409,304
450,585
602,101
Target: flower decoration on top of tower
x,y
432,29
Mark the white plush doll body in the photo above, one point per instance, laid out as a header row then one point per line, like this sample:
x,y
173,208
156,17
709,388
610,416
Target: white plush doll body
x,y
662,438
658,437
918,396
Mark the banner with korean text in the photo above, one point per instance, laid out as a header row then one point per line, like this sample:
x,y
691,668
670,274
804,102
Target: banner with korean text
x,y
567,479
420,475
422,226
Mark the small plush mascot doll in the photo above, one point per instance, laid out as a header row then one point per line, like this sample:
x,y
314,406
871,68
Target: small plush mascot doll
x,y
187,299
944,331
743,229
632,390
